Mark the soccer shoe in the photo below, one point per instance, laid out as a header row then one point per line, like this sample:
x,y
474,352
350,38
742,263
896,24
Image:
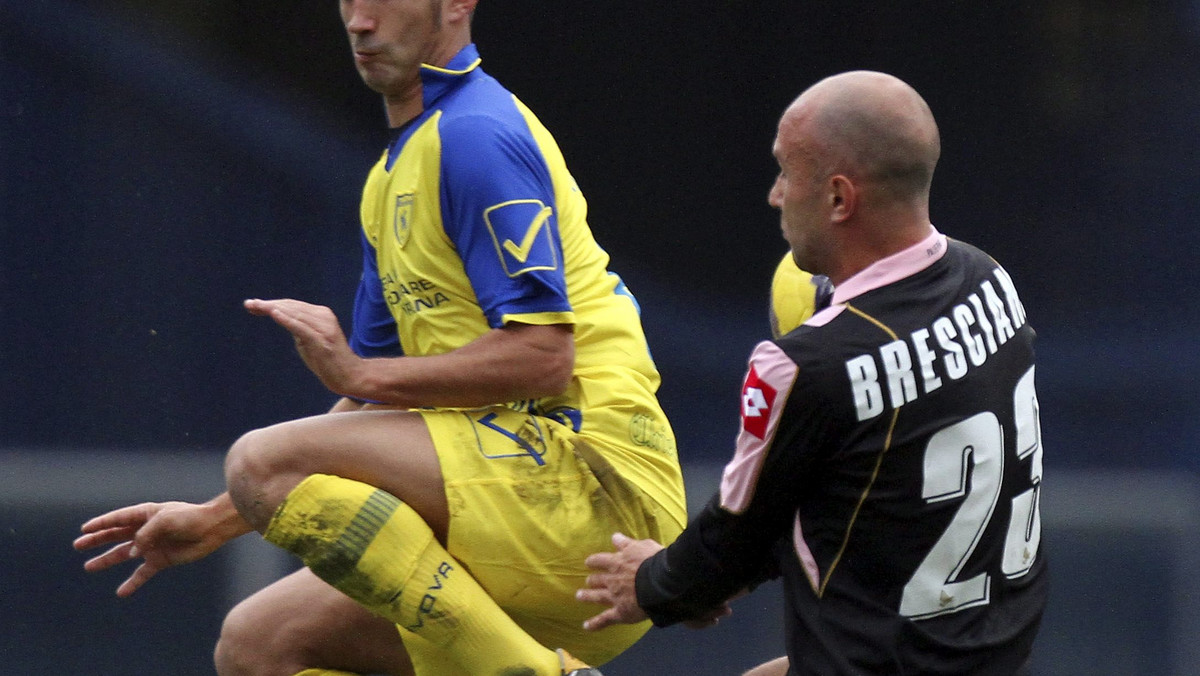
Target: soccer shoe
x,y
574,667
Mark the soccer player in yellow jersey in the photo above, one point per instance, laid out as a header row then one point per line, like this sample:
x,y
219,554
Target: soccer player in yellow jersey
x,y
498,417
795,296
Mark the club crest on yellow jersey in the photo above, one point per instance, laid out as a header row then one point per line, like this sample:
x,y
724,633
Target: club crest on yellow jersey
x,y
402,219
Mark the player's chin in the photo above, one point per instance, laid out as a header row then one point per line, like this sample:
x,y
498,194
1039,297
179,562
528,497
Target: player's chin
x,y
375,75
384,78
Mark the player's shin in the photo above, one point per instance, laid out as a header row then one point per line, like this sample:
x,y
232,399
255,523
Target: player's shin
x,y
381,553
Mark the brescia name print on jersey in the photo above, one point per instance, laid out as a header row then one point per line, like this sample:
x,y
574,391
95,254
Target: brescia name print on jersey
x,y
950,347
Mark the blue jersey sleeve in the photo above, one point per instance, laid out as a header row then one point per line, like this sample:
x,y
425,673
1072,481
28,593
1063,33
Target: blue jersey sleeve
x,y
498,208
374,332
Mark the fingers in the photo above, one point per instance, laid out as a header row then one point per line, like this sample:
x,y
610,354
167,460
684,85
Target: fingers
x,y
131,516
104,537
123,552
140,576
309,324
119,554
634,550
603,561
609,561
613,582
594,594
257,307
601,621
115,526
288,311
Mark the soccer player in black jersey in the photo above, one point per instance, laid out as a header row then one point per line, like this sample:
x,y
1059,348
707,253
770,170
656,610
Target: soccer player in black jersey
x,y
889,463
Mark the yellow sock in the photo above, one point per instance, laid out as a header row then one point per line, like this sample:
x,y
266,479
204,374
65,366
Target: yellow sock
x,y
381,553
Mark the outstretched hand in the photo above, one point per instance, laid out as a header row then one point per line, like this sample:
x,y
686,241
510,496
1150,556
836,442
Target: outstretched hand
x,y
319,339
163,534
612,583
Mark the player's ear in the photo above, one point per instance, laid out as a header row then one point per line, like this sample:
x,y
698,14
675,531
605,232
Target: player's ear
x,y
843,198
459,10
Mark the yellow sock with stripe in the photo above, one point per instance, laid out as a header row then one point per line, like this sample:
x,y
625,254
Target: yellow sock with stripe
x,y
378,551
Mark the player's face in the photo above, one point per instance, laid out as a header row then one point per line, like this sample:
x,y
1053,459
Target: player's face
x,y
390,40
798,196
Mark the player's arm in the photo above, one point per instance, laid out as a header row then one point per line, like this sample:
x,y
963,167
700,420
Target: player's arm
x,y
734,539
516,361
718,556
499,210
641,580
731,544
165,534
162,534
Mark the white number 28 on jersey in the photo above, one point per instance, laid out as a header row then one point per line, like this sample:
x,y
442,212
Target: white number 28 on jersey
x,y
975,447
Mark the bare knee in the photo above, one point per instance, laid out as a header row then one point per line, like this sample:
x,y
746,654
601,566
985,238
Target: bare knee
x,y
234,651
299,623
251,644
259,474
776,667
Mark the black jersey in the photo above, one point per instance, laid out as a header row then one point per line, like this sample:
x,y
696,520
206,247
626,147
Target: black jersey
x,y
889,469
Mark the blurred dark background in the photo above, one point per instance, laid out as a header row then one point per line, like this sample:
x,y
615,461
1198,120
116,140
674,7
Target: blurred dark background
x,y
159,162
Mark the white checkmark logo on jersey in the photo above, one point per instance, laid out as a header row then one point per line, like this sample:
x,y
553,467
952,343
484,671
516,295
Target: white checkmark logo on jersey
x,y
521,251
522,235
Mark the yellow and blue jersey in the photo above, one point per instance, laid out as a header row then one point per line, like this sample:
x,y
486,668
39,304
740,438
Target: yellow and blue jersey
x,y
471,220
795,296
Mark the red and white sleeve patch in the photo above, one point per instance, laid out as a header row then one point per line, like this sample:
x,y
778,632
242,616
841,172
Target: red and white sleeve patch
x,y
768,382
757,399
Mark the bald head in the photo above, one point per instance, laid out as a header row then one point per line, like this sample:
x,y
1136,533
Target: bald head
x,y
872,127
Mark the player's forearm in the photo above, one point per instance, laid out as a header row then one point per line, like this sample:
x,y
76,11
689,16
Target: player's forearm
x,y
227,522
680,590
706,566
510,364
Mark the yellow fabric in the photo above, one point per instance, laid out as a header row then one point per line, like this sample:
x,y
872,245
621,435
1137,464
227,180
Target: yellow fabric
x,y
324,672
379,552
472,220
793,296
524,528
434,304
428,659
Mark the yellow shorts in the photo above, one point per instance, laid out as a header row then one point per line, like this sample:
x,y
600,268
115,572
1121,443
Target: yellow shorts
x,y
529,500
